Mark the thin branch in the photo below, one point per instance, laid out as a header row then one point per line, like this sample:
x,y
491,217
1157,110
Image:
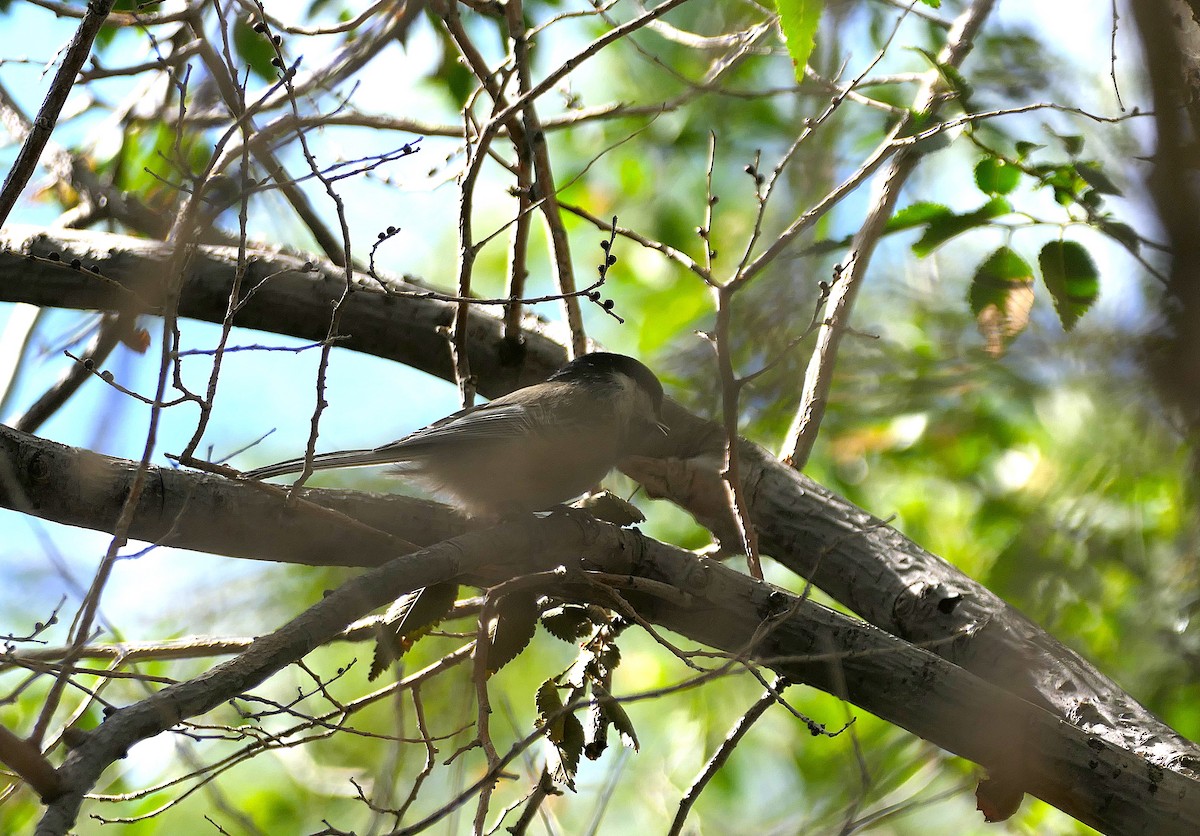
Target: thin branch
x,y
60,87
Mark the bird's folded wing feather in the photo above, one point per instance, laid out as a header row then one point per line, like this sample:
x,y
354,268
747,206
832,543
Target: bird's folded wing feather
x,y
479,424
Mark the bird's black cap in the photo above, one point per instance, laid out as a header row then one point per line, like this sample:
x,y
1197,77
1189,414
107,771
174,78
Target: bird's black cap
x,y
602,364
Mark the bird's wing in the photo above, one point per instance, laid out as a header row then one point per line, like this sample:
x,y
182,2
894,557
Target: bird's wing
x,y
491,422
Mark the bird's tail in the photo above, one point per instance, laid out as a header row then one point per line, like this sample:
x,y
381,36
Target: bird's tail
x,y
324,461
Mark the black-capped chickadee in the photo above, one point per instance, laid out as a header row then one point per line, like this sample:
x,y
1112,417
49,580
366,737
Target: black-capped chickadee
x,y
528,450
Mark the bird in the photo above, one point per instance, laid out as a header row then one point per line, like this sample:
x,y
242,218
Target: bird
x,y
530,450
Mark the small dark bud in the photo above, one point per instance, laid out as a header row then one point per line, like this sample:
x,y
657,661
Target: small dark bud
x,y
260,28
95,268
277,63
712,201
751,170
391,230
308,265
277,40
611,260
107,375
712,253
75,263
381,235
54,257
604,245
609,304
594,296
702,232
89,364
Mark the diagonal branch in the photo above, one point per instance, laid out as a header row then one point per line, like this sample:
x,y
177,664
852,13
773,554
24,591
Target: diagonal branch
x,y
1104,785
803,432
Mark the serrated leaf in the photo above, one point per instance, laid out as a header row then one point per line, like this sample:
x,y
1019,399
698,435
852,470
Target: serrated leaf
x,y
995,176
597,731
570,622
407,619
606,661
563,732
580,671
512,630
548,704
798,21
1001,297
1072,279
617,715
1096,178
942,229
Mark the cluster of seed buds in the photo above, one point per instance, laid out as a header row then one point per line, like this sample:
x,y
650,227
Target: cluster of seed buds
x,y
826,286
752,170
277,41
74,264
390,232
137,339
603,268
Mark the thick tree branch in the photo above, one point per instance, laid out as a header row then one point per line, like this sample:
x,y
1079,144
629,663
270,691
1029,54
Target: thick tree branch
x,y
853,556
1102,785
279,295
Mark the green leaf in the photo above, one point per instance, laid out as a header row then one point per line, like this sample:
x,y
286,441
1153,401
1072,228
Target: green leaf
x,y
621,722
564,733
1072,279
511,632
942,229
1096,178
1024,149
1001,297
1121,232
409,618
255,49
569,622
995,176
954,80
798,21
1072,143
957,82
917,214
596,731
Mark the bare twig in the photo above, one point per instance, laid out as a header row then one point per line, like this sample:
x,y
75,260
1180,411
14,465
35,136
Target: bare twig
x,y
43,125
